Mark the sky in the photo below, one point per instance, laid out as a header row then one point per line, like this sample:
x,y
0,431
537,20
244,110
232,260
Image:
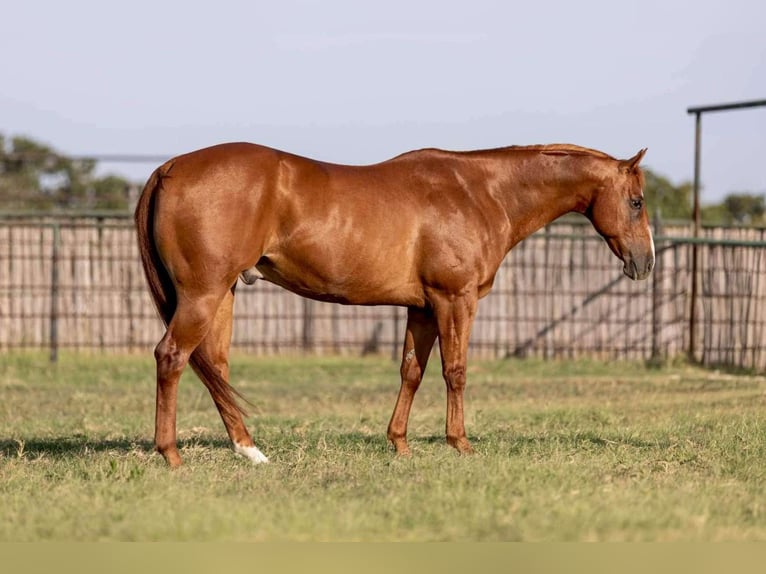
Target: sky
x,y
359,81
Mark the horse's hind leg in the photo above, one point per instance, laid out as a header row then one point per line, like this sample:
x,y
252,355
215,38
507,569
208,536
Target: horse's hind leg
x,y
216,346
188,327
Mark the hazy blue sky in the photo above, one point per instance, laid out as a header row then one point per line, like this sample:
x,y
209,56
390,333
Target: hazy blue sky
x,y
358,82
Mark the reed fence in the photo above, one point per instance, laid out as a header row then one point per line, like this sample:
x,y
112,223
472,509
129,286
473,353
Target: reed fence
x,y
78,284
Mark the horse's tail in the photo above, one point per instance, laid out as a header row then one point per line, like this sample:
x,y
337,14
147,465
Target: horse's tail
x,y
160,286
164,294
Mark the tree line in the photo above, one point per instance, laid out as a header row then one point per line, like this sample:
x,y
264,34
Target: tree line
x,y
675,202
35,177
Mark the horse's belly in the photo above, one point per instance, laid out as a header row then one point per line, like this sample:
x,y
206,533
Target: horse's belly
x,y
354,284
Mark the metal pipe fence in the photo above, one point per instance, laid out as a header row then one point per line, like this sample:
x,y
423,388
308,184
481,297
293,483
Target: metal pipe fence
x,y
77,284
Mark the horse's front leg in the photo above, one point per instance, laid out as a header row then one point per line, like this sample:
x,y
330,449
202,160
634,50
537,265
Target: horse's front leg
x,y
454,318
418,342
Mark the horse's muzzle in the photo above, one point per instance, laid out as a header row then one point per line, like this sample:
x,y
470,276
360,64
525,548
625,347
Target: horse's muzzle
x,y
638,267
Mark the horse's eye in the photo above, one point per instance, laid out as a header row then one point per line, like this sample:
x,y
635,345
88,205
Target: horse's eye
x,y
637,203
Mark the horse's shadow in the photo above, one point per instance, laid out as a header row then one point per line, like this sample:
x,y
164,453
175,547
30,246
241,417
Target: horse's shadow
x,y
73,446
78,445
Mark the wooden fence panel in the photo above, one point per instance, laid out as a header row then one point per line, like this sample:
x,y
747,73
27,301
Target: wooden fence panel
x,y
560,293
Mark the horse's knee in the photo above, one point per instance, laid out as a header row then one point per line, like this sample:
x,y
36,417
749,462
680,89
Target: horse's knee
x,y
455,376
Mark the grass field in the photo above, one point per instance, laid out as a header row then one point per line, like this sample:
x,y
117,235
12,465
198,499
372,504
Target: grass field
x,y
565,451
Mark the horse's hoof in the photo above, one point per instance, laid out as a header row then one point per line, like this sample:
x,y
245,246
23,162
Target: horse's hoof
x,y
401,446
252,453
461,445
172,457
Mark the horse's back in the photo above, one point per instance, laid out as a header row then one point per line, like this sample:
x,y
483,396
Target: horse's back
x,y
354,234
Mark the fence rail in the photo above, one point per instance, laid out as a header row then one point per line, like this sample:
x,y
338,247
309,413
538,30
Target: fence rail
x,y
78,284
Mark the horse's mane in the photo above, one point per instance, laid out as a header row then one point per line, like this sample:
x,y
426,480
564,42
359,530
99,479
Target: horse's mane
x,y
562,149
545,149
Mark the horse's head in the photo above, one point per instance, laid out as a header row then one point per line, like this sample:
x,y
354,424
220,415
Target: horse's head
x,y
618,213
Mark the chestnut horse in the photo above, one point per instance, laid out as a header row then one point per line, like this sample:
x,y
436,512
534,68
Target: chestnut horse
x,y
426,230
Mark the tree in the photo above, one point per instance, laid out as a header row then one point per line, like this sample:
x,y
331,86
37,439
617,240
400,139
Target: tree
x,y
737,209
110,192
745,208
20,177
671,201
35,177
676,202
714,214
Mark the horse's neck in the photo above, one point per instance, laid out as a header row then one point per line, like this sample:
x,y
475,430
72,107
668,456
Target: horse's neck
x,y
534,193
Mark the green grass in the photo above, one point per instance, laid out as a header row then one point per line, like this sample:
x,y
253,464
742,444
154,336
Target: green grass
x,y
565,451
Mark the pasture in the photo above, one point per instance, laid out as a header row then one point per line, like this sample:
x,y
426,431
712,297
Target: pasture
x,y
565,451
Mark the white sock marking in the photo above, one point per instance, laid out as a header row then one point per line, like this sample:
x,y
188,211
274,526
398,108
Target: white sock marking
x,y
251,452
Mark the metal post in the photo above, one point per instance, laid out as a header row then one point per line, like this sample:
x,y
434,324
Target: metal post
x,y
656,295
695,248
698,111
54,319
697,159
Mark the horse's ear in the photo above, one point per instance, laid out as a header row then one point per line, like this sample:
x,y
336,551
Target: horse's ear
x,y
632,163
